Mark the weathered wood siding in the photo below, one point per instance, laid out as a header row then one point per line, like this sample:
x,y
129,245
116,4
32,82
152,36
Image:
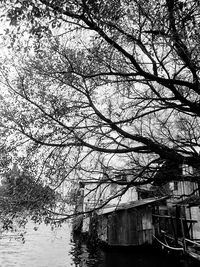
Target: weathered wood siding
x,y
127,227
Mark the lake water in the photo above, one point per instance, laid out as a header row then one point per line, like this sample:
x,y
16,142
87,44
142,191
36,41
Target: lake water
x,y
47,248
42,248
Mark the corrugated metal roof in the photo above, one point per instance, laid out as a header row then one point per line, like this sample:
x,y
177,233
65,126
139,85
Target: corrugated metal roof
x,y
130,205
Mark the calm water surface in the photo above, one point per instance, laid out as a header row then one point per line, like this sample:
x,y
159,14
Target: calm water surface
x,y
47,248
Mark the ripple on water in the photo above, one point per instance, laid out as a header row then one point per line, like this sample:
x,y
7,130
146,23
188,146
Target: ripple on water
x,y
47,248
42,248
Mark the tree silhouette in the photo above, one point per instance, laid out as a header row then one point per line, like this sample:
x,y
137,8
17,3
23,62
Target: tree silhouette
x,y
102,90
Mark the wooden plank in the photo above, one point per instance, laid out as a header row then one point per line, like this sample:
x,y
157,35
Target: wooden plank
x,y
148,236
140,238
117,228
173,217
112,230
132,227
147,219
139,219
122,227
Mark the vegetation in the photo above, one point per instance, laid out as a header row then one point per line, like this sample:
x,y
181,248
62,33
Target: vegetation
x,y
19,191
102,90
21,197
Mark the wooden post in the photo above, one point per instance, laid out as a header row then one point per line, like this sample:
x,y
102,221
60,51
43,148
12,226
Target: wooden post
x,y
191,225
174,230
183,235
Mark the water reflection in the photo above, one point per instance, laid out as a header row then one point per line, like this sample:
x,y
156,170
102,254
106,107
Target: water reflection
x,y
86,255
139,258
91,256
47,248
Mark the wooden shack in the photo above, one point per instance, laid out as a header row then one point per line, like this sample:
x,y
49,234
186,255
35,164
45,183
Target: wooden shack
x,y
127,224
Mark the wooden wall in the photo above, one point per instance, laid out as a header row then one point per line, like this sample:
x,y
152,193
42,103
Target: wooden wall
x,y
127,227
